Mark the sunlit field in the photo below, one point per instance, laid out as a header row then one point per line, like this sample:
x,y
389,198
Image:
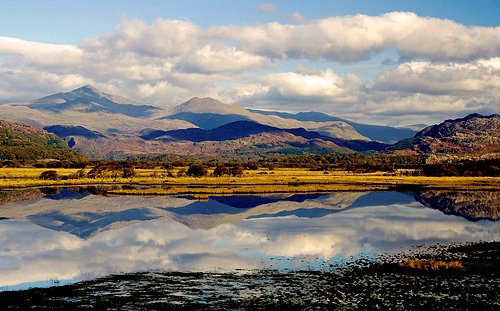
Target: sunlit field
x,y
251,181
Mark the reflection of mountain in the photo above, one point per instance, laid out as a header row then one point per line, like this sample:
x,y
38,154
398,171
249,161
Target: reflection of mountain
x,y
18,196
206,215
84,215
473,205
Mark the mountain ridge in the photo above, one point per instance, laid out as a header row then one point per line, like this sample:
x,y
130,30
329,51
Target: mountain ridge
x,y
89,99
387,134
241,129
475,134
101,124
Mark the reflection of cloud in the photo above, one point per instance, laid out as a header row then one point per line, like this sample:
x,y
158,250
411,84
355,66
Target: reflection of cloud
x,y
29,253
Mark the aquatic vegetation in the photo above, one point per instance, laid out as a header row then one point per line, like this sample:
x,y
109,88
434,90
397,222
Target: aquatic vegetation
x,y
431,264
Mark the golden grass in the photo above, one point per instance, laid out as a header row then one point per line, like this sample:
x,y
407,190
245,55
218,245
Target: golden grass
x,y
431,264
252,181
204,191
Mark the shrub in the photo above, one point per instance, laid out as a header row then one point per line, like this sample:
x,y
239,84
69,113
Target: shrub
x,y
128,172
49,175
236,171
196,170
220,170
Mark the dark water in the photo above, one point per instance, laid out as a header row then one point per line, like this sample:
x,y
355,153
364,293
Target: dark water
x,y
325,250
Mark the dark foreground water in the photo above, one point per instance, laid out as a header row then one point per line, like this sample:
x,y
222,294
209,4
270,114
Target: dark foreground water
x,y
77,249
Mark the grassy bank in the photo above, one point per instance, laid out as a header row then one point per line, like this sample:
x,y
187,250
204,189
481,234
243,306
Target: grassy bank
x,y
252,181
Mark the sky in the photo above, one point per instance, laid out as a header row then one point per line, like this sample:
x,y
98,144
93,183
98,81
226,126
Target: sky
x,y
383,62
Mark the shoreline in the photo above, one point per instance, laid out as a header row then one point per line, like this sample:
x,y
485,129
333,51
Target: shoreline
x,y
463,274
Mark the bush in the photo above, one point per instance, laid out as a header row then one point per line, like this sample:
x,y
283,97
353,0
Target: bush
x,y
220,170
236,171
196,170
49,175
128,172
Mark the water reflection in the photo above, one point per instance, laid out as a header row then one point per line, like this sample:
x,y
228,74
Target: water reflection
x,y
72,234
473,205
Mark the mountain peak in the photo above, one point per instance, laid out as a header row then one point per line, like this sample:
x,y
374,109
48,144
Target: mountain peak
x,y
88,90
204,100
208,105
88,99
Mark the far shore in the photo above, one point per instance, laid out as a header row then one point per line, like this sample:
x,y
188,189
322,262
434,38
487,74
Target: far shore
x,y
281,180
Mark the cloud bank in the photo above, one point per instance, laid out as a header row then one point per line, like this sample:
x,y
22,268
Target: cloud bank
x,y
441,67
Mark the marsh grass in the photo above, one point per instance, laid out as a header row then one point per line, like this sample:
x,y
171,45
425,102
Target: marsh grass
x,y
252,181
431,264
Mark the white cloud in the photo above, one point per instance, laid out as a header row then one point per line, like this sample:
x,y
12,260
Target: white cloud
x,y
448,67
354,38
20,84
163,38
209,59
478,77
40,54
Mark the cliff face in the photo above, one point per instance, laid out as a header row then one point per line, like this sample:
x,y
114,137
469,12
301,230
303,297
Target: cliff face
x,y
472,205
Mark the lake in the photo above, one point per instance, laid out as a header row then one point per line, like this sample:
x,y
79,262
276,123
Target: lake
x,y
76,244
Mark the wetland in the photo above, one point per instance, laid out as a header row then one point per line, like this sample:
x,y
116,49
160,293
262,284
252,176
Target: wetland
x,y
84,247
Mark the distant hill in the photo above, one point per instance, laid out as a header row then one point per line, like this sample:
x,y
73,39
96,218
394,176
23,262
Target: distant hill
x,y
208,105
475,133
28,143
382,133
207,121
241,129
208,113
90,99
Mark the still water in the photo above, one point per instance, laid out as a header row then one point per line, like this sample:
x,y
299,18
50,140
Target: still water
x,y
52,237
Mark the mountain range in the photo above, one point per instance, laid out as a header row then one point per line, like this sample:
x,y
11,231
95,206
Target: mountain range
x,y
102,125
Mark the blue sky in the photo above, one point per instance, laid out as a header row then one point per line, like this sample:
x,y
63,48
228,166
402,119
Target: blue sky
x,y
60,21
386,62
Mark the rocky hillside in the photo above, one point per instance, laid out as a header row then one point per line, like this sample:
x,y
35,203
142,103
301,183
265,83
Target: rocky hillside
x,y
475,133
18,134
28,143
